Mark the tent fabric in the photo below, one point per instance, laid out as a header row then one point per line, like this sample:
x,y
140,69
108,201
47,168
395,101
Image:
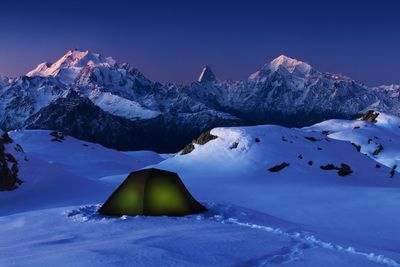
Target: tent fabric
x,y
151,192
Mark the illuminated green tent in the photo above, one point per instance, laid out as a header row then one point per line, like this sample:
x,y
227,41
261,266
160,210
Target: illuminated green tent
x,y
151,192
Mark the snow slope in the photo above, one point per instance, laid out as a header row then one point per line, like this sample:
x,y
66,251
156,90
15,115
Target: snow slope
x,y
78,237
298,216
384,134
120,106
358,210
66,172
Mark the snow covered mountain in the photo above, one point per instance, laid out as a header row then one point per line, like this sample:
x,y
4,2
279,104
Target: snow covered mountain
x,y
285,91
207,75
379,139
275,195
275,151
300,175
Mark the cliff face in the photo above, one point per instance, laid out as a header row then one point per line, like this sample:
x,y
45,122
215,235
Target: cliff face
x,y
8,165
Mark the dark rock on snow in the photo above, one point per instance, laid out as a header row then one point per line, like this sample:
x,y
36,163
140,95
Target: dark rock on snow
x,y
8,167
279,167
358,147
377,150
234,145
201,140
343,170
370,116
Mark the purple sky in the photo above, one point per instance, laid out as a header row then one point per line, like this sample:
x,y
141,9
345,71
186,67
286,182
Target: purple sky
x,y
171,42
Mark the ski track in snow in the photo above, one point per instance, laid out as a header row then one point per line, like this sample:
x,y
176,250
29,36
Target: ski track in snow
x,y
303,240
286,254
299,241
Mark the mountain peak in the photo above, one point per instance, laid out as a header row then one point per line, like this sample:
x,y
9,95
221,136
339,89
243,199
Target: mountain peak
x,y
285,64
206,75
77,53
79,58
71,63
290,64
41,68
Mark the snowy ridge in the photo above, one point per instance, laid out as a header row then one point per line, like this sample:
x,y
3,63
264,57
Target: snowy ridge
x,y
392,87
285,91
120,106
289,64
294,174
262,147
69,66
379,140
298,215
284,65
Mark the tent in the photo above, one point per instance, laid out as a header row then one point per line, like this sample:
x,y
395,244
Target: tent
x,y
151,192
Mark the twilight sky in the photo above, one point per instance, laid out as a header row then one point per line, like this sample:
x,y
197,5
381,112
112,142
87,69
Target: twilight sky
x,y
172,40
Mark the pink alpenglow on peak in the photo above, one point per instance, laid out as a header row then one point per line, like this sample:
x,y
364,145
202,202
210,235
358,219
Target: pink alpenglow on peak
x,y
287,64
71,64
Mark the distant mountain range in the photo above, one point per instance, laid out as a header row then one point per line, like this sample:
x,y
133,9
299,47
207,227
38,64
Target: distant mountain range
x,y
94,98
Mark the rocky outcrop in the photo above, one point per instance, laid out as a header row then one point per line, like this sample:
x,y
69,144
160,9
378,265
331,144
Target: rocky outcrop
x,y
8,166
370,116
377,150
204,138
343,170
358,147
57,136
